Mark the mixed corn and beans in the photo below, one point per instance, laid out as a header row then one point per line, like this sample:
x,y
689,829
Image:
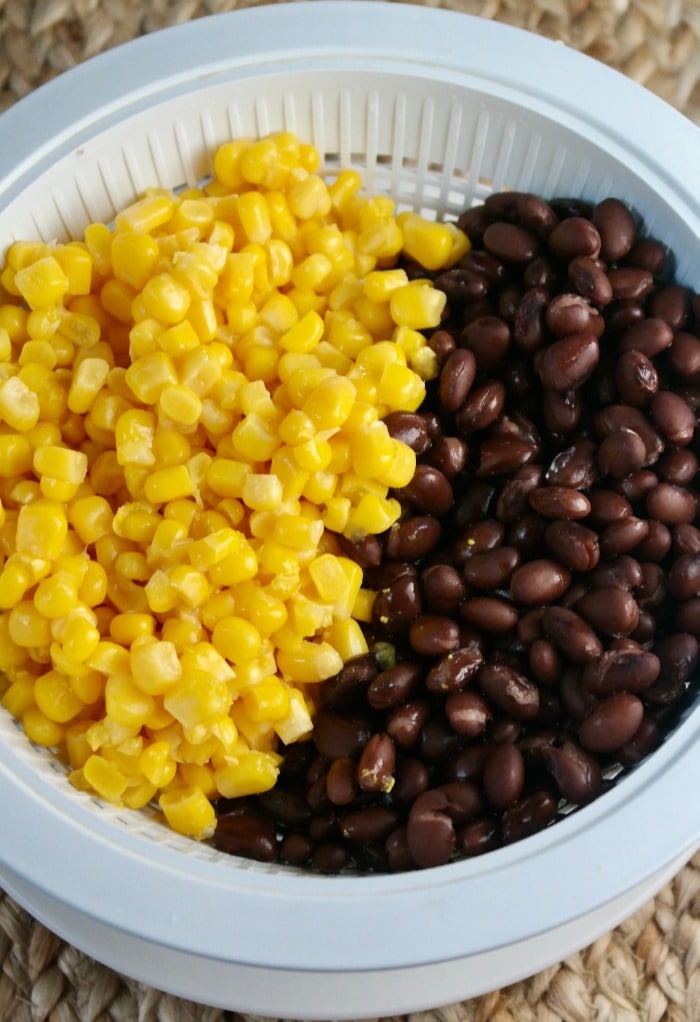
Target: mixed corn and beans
x,y
341,536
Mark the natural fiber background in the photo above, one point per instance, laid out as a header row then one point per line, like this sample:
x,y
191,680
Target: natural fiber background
x,y
648,969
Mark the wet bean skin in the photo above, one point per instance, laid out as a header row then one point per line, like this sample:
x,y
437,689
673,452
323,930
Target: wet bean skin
x,y
537,609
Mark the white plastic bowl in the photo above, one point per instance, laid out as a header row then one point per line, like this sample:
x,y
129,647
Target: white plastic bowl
x,y
437,109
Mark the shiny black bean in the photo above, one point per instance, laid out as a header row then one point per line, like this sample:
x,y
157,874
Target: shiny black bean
x,y
490,614
616,228
454,670
589,279
621,670
410,428
567,363
673,416
559,502
414,538
430,832
448,454
529,319
612,723
636,378
456,379
406,722
395,685
443,588
375,770
571,634
248,834
571,313
504,776
574,236
433,634
672,505
341,781
528,816
370,823
574,467
611,611
509,690
573,544
487,338
429,492
651,336
576,772
477,837
482,407
510,243
491,569
335,735
397,605
468,713
539,581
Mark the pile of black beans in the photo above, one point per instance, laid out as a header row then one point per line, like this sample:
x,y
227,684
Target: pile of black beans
x,y
535,628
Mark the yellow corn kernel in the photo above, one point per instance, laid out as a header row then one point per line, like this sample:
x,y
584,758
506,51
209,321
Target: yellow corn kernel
x,y
304,335
155,665
39,351
19,697
198,698
125,702
268,700
150,375
336,514
309,662
347,638
134,257
78,749
105,778
55,697
255,439
42,527
189,812
372,515
15,455
236,639
146,214
134,438
117,298
98,241
309,197
165,298
90,517
418,306
40,729
297,723
87,684
157,765
56,595
42,283
261,492
19,405
400,388
168,484
60,463
402,468
88,380
253,773
428,243
76,262
203,319
313,455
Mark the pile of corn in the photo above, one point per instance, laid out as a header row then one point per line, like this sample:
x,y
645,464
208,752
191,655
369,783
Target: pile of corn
x,y
191,409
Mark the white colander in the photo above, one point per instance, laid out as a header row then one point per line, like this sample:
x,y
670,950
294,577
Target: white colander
x,y
438,109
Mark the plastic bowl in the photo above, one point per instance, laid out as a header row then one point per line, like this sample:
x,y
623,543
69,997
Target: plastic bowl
x,y
438,109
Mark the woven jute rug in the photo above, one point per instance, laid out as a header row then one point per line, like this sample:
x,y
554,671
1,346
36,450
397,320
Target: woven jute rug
x,y
646,970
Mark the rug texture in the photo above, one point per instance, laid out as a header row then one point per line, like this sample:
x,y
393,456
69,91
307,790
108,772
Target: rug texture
x,y
646,970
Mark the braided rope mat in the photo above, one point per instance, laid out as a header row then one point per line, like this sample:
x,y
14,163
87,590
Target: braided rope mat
x,y
648,969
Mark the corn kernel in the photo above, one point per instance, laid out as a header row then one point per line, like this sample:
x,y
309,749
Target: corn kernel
x,y
40,729
253,773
